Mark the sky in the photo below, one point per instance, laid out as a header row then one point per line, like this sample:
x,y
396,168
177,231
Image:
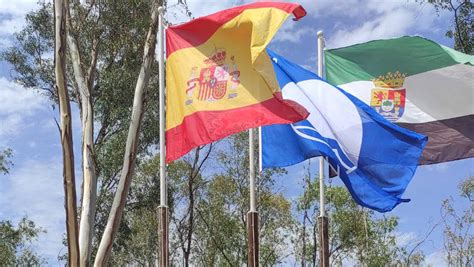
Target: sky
x,y
27,120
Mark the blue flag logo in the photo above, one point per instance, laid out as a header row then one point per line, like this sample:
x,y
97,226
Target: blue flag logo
x,y
376,158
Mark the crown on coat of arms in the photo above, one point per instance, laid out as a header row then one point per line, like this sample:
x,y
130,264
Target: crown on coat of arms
x,y
390,80
217,58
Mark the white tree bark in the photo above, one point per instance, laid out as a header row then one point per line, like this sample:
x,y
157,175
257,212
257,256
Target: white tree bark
x,y
89,193
129,158
60,8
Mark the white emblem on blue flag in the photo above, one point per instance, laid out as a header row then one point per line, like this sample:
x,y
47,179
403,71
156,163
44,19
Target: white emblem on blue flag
x,y
341,156
325,104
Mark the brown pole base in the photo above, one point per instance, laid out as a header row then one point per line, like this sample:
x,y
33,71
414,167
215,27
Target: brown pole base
x,y
252,232
323,241
164,236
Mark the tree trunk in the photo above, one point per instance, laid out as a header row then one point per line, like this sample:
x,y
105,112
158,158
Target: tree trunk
x,y
89,196
128,168
89,181
315,247
60,8
191,192
89,193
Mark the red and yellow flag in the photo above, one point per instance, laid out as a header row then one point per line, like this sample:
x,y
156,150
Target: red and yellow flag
x,y
219,78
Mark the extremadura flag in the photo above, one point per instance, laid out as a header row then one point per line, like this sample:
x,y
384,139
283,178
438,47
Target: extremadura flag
x,y
418,84
219,78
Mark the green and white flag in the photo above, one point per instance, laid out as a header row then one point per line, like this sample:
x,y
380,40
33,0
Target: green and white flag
x,y
417,83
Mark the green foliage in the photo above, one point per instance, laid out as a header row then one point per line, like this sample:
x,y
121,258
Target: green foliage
x,y
222,206
355,233
353,230
458,235
467,188
462,29
5,160
219,218
225,220
15,241
137,240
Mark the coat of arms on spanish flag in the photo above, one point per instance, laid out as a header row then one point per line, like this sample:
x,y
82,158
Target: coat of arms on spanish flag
x,y
220,79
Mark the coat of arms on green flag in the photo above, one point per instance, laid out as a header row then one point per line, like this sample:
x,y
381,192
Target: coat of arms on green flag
x,y
416,83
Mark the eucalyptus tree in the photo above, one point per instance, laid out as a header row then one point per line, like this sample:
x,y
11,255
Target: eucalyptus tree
x,y
131,148
106,43
84,80
15,241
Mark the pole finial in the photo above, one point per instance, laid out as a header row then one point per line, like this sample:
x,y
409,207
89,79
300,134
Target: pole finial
x,y
320,34
161,10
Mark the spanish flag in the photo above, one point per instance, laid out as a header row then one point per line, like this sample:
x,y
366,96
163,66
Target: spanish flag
x,y
220,79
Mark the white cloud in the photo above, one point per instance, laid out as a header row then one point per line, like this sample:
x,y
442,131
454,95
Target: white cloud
x,y
385,26
17,6
405,238
35,189
293,32
14,98
437,258
16,105
9,125
382,20
12,18
326,8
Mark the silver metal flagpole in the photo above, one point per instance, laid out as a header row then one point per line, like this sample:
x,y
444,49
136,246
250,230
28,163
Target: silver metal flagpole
x,y
163,209
253,205
323,171
252,215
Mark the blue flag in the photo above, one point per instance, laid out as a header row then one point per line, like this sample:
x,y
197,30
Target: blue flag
x,y
376,158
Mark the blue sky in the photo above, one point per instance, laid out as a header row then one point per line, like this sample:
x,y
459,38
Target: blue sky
x,y
34,186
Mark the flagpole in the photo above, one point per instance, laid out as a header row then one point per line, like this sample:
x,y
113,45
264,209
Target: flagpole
x,y
252,215
323,170
163,208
